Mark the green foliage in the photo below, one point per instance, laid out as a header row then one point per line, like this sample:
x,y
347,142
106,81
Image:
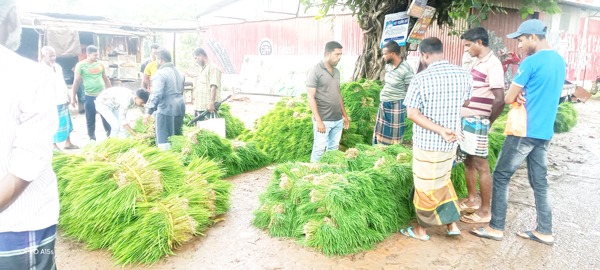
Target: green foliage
x,y
286,132
233,158
233,125
566,117
136,201
345,205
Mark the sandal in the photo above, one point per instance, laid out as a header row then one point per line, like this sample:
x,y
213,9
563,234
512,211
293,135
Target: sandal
x,y
481,232
529,235
71,147
474,219
409,232
468,209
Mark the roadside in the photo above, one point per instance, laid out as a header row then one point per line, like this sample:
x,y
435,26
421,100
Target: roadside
x,y
234,243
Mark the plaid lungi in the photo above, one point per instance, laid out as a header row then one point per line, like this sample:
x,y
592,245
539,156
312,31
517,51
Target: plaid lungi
x,y
389,126
28,250
434,198
65,126
475,136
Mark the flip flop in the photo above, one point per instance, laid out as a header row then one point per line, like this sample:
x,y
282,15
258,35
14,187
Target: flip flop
x,y
453,233
469,209
474,219
72,147
409,232
481,232
529,235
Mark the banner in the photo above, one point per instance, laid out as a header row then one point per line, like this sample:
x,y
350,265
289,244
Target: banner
x,y
395,28
416,8
418,32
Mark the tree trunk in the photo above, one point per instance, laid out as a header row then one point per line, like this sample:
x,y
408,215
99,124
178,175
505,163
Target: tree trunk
x,y
370,64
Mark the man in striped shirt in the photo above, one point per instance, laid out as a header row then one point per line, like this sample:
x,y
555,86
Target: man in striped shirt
x,y
433,101
28,189
486,104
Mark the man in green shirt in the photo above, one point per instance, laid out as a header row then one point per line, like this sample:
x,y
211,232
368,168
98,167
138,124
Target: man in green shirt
x,y
389,126
93,75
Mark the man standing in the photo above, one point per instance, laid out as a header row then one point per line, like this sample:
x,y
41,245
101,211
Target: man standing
x,y
113,104
389,126
92,74
539,79
28,189
326,103
207,87
434,100
65,125
149,67
486,104
166,100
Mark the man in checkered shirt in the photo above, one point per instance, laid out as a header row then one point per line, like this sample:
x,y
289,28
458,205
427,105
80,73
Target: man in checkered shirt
x,y
433,101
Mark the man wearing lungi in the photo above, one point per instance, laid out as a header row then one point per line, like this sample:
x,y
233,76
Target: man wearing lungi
x,y
166,100
389,126
65,125
28,189
537,86
326,103
486,104
433,101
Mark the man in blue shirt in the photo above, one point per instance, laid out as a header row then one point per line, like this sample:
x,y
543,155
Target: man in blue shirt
x,y
537,86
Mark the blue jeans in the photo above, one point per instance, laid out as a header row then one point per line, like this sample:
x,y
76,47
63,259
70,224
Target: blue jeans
x,y
514,151
330,140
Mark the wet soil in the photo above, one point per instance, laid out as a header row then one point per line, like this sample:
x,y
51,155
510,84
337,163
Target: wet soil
x,y
233,243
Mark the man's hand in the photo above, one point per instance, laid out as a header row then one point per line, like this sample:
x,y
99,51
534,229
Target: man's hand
x,y
448,135
73,102
320,127
521,98
346,122
146,119
211,107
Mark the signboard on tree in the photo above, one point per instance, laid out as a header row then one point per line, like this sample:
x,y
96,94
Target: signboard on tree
x,y
420,28
395,28
416,8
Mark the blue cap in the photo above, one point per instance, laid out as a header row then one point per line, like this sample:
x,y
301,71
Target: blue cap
x,y
533,26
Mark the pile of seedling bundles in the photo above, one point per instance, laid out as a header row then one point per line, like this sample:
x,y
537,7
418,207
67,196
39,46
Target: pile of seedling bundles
x,y
234,157
351,200
286,132
135,201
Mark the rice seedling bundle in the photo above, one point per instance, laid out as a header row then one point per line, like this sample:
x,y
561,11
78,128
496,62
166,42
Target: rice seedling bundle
x,y
346,204
233,125
234,158
566,117
285,132
136,201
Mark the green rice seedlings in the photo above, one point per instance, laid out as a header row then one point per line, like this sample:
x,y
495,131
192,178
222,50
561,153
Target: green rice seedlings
x,y
233,125
163,226
566,118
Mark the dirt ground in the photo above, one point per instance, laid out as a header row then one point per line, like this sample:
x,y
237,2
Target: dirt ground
x,y
234,243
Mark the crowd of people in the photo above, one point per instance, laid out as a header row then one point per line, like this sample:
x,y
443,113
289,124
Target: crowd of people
x,y
452,109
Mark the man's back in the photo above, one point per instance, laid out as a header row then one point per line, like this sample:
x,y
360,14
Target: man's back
x,y
542,77
439,93
29,119
168,88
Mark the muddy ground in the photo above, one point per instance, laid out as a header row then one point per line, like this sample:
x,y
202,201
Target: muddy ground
x,y
574,176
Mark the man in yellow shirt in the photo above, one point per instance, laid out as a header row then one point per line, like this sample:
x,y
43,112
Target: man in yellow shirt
x,y
150,67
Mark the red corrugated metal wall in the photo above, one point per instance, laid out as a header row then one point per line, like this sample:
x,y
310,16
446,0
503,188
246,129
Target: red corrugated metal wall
x,y
298,36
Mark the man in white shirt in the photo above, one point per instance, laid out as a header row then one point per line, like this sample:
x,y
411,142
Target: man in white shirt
x,y
113,104
28,189
65,125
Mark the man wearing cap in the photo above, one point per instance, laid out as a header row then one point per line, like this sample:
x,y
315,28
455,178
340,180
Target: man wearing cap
x,y
536,86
